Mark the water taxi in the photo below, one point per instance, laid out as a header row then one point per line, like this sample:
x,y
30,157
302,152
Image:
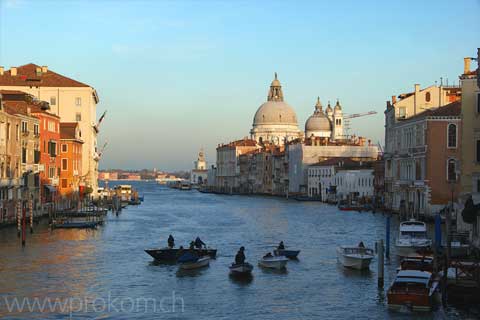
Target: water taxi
x,y
355,257
412,238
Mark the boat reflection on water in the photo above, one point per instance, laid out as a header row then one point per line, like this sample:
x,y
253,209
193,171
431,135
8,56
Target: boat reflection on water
x,y
355,273
181,273
241,279
274,271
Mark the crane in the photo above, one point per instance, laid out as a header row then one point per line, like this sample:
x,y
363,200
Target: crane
x,y
355,115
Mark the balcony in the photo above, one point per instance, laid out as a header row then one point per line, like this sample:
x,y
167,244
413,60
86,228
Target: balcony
x,y
25,133
9,182
54,181
75,172
34,168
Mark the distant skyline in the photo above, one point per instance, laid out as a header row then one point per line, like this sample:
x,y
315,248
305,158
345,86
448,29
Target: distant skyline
x,y
179,76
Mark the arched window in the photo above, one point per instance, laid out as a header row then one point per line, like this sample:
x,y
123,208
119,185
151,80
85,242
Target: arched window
x,y
427,97
452,135
451,170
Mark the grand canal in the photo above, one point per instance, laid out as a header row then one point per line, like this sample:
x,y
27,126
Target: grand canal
x,y
105,273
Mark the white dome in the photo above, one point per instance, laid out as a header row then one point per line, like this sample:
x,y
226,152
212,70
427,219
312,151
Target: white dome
x,y
275,112
318,122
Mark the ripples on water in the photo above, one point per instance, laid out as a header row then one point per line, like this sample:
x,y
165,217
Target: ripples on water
x,y
110,261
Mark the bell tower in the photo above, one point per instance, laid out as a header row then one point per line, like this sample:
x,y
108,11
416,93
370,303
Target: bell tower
x,y
337,132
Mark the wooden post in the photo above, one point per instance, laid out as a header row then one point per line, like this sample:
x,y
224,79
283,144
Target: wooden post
x,y
380,264
18,208
387,249
24,223
30,208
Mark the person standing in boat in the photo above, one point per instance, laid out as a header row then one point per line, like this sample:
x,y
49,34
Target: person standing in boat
x,y
361,245
240,257
199,243
171,241
281,246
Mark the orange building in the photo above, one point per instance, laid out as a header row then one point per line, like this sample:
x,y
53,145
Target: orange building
x,y
70,154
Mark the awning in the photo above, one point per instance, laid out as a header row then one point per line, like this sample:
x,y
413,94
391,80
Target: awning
x,y
50,188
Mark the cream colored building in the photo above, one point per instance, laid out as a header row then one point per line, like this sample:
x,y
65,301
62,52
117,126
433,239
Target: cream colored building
x,y
275,121
199,173
71,100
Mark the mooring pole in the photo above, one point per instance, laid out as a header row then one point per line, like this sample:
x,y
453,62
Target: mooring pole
x,y
24,223
387,241
380,264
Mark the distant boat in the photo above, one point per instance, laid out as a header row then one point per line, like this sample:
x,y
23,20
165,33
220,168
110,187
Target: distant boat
x,y
76,225
172,254
241,268
412,238
290,254
273,262
195,264
354,257
307,198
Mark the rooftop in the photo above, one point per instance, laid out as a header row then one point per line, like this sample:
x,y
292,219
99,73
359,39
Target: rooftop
x,y
34,75
68,130
450,110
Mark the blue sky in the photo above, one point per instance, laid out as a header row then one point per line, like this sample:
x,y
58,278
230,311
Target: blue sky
x,y
176,76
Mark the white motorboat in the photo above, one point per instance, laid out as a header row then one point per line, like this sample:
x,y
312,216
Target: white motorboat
x,y
278,262
241,268
412,238
355,257
200,263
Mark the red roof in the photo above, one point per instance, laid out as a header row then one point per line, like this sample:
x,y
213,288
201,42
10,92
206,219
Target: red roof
x,y
67,130
17,102
27,76
453,109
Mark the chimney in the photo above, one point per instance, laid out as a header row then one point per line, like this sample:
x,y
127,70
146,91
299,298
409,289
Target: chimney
x,y
417,87
38,71
13,71
466,65
44,69
1,71
394,99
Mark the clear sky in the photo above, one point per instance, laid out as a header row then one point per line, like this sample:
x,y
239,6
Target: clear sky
x,y
177,76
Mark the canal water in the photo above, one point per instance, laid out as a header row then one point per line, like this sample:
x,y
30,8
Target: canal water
x,y
105,273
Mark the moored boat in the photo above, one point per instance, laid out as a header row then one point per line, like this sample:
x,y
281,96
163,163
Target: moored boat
x,y
415,289
172,254
195,264
241,268
290,254
412,238
355,257
273,262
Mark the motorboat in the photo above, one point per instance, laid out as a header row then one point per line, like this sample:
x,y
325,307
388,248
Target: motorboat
x,y
172,254
355,257
290,254
420,263
414,289
273,262
195,263
241,268
412,238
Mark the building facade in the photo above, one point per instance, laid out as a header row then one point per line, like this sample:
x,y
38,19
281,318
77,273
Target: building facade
x,y
70,154
69,99
199,173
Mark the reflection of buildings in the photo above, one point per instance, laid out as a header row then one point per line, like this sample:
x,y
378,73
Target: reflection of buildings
x,y
276,158
199,173
422,149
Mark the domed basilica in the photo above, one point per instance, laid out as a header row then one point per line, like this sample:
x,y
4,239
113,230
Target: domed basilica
x,y
276,122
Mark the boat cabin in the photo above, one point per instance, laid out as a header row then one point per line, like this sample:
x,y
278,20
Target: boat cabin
x,y
413,229
412,288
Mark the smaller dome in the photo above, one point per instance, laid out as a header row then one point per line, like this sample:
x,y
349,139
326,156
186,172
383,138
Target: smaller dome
x,y
337,106
318,121
329,108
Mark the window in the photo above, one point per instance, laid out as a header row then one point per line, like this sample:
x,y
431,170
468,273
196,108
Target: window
x,y
64,164
36,129
78,116
53,101
51,172
64,183
78,101
478,102
52,148
452,135
17,132
24,155
402,112
51,126
427,97
8,131
478,150
451,170
64,147
24,126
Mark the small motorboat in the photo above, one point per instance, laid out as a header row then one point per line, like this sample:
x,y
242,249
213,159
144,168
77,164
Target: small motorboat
x,y
241,268
172,254
278,262
76,224
355,257
290,254
195,263
415,289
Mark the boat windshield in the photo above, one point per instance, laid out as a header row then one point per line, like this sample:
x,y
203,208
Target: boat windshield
x,y
358,250
414,234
